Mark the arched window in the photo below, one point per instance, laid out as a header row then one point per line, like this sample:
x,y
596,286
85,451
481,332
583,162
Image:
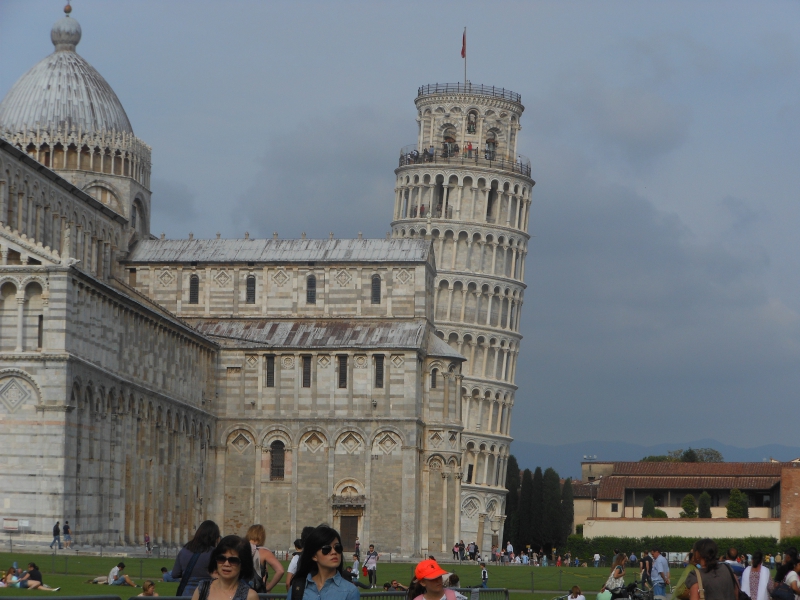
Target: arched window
x,y
194,289
311,289
376,289
251,289
434,373
276,461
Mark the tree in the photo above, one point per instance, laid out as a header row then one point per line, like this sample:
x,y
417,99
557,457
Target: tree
x,y
513,483
737,505
689,507
537,509
551,513
704,506
659,514
656,458
524,514
649,508
709,455
690,456
567,509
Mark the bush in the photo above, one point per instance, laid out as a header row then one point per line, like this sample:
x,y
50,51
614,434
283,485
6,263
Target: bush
x,y
659,514
704,506
689,507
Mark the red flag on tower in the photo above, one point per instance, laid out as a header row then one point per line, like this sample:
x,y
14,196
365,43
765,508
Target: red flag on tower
x,y
464,44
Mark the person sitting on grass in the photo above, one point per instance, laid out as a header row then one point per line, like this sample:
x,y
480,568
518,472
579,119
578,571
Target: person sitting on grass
x,y
148,588
166,575
32,580
117,577
575,593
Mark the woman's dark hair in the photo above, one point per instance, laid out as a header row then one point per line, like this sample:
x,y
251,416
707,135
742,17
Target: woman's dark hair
x,y
316,539
453,580
758,558
205,537
791,551
35,567
415,588
242,548
707,550
783,570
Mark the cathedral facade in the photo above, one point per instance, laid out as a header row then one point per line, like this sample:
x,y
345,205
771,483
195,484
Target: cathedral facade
x,y
147,384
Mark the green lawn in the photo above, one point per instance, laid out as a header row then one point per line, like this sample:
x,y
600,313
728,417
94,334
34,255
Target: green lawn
x,y
70,572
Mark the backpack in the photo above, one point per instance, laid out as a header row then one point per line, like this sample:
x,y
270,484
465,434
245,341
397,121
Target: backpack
x,y
259,573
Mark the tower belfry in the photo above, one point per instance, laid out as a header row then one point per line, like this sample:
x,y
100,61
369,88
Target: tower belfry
x,y
464,185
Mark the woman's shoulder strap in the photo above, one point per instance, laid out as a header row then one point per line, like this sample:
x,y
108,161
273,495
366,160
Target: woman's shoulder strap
x,y
449,594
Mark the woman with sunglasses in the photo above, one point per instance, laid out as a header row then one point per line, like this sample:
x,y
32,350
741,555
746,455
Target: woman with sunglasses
x,y
320,570
232,563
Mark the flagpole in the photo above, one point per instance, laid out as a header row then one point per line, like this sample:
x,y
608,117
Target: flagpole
x,y
465,59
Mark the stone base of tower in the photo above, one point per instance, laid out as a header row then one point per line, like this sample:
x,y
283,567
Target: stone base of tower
x,y
483,516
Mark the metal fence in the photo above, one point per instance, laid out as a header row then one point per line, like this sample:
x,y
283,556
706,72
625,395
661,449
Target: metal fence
x,y
468,88
410,155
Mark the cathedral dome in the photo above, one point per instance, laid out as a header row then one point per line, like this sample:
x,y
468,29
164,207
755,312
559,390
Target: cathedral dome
x,y
63,91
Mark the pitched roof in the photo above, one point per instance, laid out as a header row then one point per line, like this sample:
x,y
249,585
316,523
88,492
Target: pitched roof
x,y
314,333
679,469
281,251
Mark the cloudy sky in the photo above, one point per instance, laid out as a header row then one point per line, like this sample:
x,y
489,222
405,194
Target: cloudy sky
x,y
662,301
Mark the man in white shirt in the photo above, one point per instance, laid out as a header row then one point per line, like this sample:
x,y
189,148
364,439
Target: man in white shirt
x,y
117,577
596,559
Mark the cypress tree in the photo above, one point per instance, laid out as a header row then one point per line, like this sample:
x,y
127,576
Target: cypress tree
x,y
513,482
649,507
567,510
536,509
704,506
737,505
689,507
551,513
524,514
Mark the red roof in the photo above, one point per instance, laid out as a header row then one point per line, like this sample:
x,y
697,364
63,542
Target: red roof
x,y
672,469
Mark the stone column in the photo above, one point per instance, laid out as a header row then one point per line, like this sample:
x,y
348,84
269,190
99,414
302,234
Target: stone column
x,y
489,310
20,318
481,524
449,300
494,257
496,358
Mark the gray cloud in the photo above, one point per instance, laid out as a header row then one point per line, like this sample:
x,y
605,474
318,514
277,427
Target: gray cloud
x,y
174,207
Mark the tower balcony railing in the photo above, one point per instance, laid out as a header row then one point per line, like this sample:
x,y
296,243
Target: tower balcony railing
x,y
453,154
469,88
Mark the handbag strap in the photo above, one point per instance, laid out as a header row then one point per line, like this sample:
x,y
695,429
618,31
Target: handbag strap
x,y
735,582
187,574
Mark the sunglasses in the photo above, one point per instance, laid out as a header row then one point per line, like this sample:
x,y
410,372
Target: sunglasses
x,y
338,548
234,561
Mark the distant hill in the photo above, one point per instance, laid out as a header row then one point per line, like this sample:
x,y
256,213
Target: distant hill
x,y
567,458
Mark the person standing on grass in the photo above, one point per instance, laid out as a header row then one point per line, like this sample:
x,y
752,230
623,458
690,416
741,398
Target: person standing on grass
x,y
659,574
646,565
232,563
371,563
148,549
716,578
484,576
320,571
755,579
191,564
263,557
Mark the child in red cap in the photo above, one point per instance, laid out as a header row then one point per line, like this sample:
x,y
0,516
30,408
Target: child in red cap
x,y
428,583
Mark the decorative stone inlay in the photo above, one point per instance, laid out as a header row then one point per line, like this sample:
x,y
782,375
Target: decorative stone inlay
x,y
360,362
436,439
435,465
343,278
387,443
470,507
222,278
251,360
166,277
287,362
350,443
397,360
324,361
404,276
14,393
313,442
453,439
280,278
241,443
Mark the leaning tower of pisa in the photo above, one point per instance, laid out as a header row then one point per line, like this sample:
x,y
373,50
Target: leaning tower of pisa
x,y
464,185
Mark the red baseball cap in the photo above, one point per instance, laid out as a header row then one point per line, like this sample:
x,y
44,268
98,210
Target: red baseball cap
x,y
428,569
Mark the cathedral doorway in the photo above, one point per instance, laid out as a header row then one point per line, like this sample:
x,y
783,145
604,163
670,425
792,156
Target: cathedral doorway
x,y
349,532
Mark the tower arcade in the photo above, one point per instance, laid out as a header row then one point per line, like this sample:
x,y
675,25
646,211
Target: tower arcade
x,y
464,185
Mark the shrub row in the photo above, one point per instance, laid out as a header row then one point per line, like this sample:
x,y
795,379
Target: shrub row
x,y
582,547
